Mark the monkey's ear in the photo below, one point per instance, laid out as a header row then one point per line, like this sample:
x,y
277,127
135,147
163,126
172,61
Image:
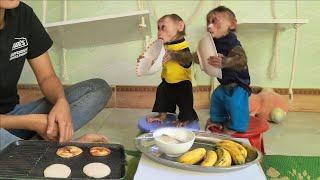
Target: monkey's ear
x,y
233,24
181,26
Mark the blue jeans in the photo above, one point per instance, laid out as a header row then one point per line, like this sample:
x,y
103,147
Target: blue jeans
x,y
86,100
230,104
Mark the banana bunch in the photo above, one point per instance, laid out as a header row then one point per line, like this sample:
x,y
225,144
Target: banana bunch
x,y
227,152
237,151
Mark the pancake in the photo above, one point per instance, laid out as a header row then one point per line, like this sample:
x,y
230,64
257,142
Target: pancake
x,y
69,151
99,151
96,170
57,171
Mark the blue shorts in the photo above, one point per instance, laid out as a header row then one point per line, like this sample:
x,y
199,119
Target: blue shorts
x,y
230,104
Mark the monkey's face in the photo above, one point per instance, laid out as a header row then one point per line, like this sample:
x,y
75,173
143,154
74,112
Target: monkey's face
x,y
9,4
168,29
219,24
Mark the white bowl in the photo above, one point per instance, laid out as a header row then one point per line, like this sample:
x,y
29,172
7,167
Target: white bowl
x,y
174,149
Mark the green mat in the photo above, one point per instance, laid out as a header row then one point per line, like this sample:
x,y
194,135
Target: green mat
x,y
276,167
291,167
133,158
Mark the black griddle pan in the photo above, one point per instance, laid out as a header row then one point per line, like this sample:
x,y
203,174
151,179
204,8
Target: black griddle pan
x,y
28,159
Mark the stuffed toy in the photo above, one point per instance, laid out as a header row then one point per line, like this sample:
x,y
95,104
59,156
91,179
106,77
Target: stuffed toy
x,y
268,105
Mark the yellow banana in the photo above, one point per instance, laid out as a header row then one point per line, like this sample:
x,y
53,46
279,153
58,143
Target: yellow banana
x,y
210,159
242,149
224,158
235,153
192,157
252,153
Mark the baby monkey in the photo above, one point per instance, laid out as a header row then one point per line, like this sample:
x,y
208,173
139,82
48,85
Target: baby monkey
x,y
176,87
229,111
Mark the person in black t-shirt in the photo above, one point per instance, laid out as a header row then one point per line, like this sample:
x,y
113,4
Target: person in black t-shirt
x,y
60,112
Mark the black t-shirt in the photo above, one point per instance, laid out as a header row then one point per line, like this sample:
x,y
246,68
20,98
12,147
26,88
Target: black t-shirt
x,y
22,37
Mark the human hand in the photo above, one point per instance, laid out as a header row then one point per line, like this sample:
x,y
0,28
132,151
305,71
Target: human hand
x,y
39,124
60,114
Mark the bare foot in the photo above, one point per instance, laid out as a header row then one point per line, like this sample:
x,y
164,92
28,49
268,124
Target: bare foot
x,y
229,131
87,138
157,118
214,127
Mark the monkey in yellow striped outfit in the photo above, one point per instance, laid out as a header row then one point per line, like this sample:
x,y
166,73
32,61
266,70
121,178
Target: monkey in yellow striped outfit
x,y
176,87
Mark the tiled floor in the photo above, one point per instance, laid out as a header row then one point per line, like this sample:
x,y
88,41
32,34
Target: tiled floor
x,y
298,134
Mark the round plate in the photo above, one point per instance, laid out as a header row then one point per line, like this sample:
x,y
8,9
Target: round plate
x,y
207,48
152,60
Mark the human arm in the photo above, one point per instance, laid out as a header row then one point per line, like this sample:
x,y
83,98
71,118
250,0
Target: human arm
x,y
32,122
54,92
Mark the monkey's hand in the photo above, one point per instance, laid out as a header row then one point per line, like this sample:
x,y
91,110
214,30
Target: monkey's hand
x,y
216,61
166,57
139,58
195,57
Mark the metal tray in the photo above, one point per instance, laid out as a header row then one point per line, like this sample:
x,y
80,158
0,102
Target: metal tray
x,y
28,159
146,144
